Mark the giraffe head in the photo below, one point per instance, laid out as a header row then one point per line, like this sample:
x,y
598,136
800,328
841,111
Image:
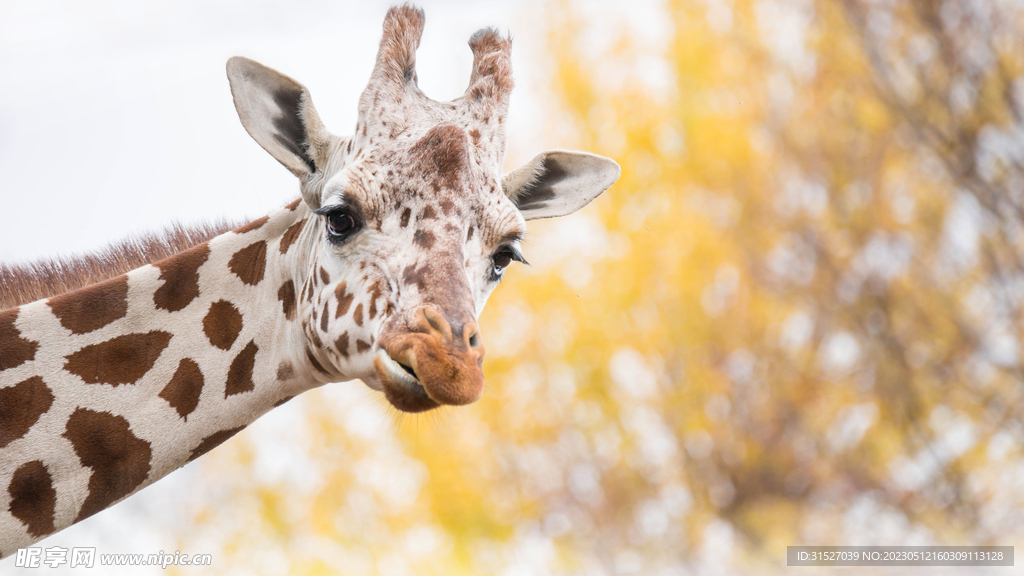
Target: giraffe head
x,y
412,223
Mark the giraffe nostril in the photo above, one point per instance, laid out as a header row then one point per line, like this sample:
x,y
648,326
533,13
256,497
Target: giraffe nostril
x,y
434,320
474,340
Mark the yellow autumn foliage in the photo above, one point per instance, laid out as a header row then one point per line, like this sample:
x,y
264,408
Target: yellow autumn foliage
x,y
794,320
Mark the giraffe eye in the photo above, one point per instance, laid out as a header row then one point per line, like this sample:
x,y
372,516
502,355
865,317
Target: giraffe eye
x,y
341,224
502,260
503,257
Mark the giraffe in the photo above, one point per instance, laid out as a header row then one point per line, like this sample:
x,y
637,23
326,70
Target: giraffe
x,y
119,369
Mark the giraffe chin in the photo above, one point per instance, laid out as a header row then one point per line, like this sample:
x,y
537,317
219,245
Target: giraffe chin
x,y
401,389
440,375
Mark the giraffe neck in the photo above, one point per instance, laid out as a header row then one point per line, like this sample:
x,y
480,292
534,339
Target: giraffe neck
x,y
106,389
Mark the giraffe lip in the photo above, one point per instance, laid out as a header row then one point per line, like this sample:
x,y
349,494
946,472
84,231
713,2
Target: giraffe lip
x,y
410,371
403,390
400,373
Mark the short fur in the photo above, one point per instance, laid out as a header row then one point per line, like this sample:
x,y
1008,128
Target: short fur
x,y
378,273
24,283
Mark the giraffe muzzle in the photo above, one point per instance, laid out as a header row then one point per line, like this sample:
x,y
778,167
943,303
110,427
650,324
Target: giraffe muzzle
x,y
430,364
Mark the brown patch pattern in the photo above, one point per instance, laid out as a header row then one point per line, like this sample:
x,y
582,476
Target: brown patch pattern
x,y
443,155
375,293
15,349
424,239
285,370
120,360
254,225
293,204
240,371
406,214
316,363
181,278
282,401
325,317
344,299
185,387
415,275
362,346
358,315
212,441
118,458
250,263
291,235
342,345
92,308
286,294
33,498
222,324
21,406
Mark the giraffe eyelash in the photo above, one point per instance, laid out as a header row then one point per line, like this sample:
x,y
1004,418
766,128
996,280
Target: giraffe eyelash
x,y
517,255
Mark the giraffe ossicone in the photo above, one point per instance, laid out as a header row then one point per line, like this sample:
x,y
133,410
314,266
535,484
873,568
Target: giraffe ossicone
x,y
378,272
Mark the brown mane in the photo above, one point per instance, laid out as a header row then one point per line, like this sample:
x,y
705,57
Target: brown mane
x,y
24,283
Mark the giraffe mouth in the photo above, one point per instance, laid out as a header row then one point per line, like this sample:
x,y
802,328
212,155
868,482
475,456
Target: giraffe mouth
x,y
421,370
401,385
399,372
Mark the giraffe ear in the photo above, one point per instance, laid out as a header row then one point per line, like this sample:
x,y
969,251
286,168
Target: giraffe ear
x,y
558,182
278,113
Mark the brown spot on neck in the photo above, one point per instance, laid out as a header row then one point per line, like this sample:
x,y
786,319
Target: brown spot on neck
x,y
254,225
118,458
33,498
92,308
121,360
222,324
286,294
283,401
15,349
285,371
250,263
240,371
212,441
185,388
291,235
181,278
21,406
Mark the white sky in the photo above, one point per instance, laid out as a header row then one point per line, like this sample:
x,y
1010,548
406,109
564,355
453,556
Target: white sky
x,y
115,117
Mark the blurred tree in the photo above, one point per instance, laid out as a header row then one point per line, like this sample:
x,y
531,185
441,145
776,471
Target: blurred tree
x,y
795,319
